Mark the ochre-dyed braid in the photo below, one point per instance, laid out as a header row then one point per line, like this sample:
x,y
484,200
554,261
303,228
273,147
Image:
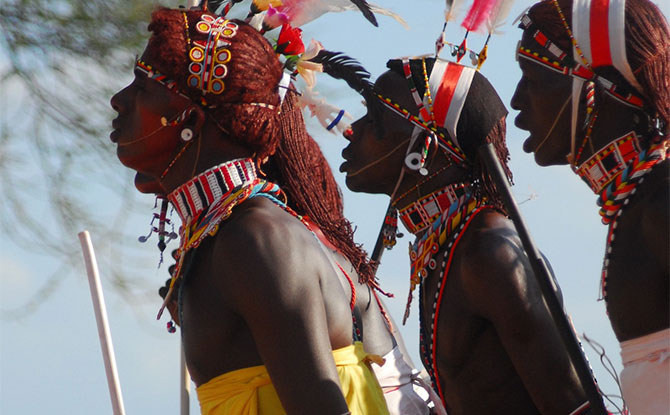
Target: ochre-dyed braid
x,y
306,178
252,77
647,48
481,175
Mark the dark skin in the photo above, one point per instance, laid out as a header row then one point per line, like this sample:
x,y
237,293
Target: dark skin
x,y
497,350
638,283
261,291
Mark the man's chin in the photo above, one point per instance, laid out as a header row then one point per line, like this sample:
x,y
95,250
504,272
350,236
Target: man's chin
x,y
147,184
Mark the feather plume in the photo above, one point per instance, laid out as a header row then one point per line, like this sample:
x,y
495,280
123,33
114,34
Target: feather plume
x,y
301,12
453,9
340,66
367,12
498,16
479,13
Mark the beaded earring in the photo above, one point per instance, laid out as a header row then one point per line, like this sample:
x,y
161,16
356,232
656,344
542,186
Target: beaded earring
x,y
164,237
390,228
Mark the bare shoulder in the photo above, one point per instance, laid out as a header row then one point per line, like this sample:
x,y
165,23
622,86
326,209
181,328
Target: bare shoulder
x,y
494,268
490,245
261,246
657,200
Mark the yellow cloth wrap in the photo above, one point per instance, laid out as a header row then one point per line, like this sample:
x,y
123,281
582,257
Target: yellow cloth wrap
x,y
249,391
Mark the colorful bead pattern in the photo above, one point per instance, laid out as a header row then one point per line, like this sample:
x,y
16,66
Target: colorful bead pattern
x,y
191,198
428,340
154,75
422,251
423,112
562,63
209,58
603,166
613,196
453,152
390,228
420,214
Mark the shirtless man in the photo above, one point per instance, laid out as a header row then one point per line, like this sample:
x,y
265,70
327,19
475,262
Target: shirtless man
x,y
616,140
487,338
258,299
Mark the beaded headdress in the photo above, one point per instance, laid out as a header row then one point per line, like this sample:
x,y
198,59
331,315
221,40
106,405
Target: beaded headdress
x,y
598,39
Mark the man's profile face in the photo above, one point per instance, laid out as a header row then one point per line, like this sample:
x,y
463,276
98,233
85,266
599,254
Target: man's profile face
x,y
543,99
376,154
143,143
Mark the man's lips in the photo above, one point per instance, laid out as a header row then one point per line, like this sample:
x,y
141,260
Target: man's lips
x,y
114,135
345,164
518,122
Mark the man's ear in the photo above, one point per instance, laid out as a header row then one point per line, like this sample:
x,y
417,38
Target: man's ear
x,y
196,119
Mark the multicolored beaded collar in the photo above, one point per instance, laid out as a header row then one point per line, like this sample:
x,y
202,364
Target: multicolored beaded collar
x,y
603,166
614,171
208,199
422,251
194,196
420,214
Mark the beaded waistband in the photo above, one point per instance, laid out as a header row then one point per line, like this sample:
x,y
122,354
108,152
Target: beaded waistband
x,y
193,197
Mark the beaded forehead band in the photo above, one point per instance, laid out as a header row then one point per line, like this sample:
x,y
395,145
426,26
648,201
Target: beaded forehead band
x,y
561,62
442,103
208,61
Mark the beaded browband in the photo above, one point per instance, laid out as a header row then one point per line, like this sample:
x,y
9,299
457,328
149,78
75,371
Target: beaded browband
x,y
193,197
561,62
208,59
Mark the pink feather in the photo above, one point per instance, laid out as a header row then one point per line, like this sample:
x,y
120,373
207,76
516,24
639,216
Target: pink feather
x,y
479,13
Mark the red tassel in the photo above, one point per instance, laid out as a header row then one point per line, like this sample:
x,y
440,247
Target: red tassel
x,y
479,13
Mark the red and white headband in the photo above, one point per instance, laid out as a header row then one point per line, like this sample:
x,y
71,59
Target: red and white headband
x,y
599,31
448,88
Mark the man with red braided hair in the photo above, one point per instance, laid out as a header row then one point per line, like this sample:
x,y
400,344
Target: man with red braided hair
x,y
260,334
595,94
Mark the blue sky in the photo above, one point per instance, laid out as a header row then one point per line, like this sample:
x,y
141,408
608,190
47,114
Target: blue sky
x,y
50,359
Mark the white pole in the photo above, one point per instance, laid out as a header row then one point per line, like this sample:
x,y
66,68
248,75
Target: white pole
x,y
101,320
185,385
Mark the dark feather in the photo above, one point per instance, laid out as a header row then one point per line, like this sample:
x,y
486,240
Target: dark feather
x,y
365,9
341,66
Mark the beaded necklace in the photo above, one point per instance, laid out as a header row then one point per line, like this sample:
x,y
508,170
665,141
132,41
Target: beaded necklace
x,y
605,164
618,195
419,215
611,197
428,348
208,199
422,251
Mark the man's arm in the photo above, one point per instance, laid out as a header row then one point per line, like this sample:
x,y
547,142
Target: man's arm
x,y
500,284
274,288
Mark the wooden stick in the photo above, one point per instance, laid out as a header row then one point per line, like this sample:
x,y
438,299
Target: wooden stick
x,y
185,385
101,320
545,281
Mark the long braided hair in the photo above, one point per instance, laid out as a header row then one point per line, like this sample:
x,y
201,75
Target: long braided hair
x,y
301,170
647,48
482,121
253,75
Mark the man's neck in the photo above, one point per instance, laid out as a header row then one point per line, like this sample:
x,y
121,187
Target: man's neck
x,y
415,186
209,148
